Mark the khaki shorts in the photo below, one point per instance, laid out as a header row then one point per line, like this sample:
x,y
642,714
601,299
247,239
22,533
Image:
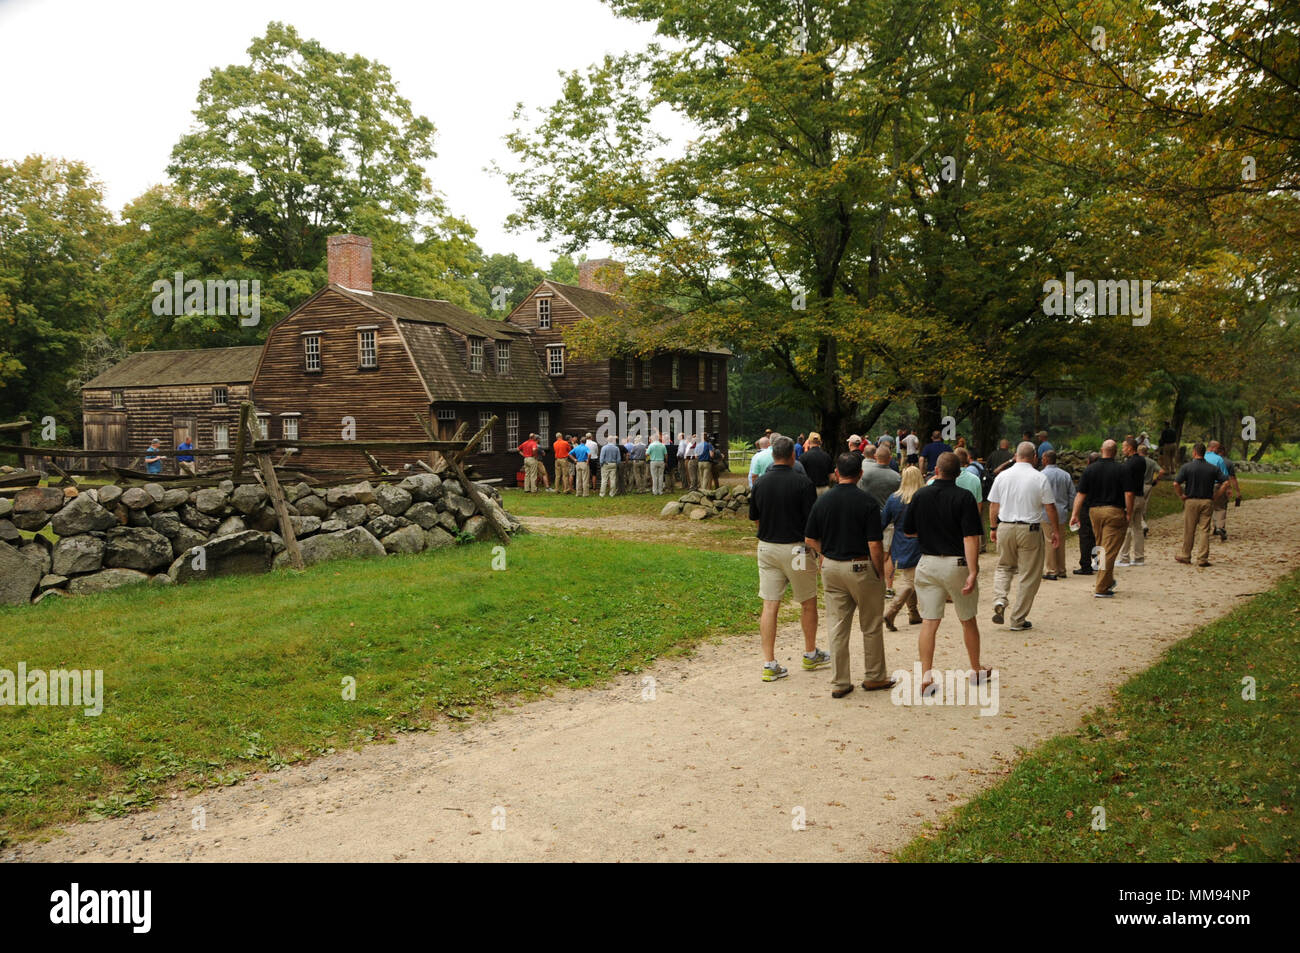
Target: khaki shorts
x,y
888,542
777,569
937,578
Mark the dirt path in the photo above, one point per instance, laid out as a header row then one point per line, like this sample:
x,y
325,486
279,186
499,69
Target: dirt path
x,y
716,763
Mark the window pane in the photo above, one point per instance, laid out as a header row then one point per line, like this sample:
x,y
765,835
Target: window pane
x,y
512,428
369,355
544,313
503,357
311,344
485,445
645,375
290,425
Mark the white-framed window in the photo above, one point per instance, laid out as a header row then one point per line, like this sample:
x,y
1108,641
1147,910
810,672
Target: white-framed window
x,y
645,374
555,360
446,415
221,436
367,348
717,372
311,352
544,313
220,397
289,427
476,354
677,372
512,428
263,426
699,364
485,445
629,373
118,401
503,357
544,425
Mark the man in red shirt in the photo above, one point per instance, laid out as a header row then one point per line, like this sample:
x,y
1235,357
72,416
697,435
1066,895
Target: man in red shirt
x,y
528,449
563,466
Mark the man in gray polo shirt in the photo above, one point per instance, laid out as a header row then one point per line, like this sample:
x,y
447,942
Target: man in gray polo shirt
x,y
878,481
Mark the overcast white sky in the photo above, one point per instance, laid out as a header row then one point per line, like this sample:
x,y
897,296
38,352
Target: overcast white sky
x,y
114,83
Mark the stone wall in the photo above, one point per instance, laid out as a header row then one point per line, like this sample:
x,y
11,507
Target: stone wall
x,y
727,500
111,536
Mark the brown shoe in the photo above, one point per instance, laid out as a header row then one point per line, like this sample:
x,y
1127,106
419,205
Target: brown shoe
x,y
840,692
1180,559
889,624
879,686
914,620
1204,565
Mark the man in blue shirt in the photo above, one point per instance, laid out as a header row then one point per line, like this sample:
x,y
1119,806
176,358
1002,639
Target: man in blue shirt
x,y
1215,457
1043,445
153,458
931,452
185,461
609,460
582,463
704,453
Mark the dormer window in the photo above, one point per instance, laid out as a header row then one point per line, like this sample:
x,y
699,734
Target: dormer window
x,y
476,355
503,357
544,313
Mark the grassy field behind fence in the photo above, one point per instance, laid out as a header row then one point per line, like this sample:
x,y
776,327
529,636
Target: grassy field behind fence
x,y
209,682
1185,768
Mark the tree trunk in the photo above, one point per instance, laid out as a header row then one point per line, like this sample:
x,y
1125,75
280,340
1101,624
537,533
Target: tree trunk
x,y
1179,416
986,423
929,412
1263,446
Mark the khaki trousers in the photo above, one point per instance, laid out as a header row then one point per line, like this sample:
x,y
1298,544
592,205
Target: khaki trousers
x,y
563,475
1108,526
641,474
656,477
1055,561
530,474
1134,539
609,479
693,473
1196,516
584,479
707,480
904,595
848,592
1221,512
1021,551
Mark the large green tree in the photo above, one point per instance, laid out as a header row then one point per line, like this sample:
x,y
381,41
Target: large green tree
x,y
54,235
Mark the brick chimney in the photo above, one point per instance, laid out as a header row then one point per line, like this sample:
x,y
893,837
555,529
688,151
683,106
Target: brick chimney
x,y
601,274
349,261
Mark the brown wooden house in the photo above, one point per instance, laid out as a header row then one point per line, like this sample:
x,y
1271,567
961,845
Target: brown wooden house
x,y
676,390
167,395
354,363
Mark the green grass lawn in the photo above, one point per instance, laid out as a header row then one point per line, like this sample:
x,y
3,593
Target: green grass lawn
x,y
1185,768
207,683
1292,476
1164,500
564,505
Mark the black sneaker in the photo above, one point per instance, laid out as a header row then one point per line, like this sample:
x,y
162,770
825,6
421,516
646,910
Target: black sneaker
x,y
1083,572
1022,626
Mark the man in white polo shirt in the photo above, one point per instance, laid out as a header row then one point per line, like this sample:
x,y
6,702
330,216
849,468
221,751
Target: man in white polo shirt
x,y
1018,500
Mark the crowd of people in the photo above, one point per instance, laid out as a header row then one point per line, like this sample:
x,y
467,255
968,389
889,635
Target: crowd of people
x,y
631,465
896,523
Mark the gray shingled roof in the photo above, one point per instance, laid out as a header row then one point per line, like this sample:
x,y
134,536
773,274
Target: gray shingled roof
x,y
208,365
436,333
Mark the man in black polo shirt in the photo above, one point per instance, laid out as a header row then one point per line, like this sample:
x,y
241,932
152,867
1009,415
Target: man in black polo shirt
x,y
844,530
780,503
945,519
1133,550
1104,489
1198,483
817,463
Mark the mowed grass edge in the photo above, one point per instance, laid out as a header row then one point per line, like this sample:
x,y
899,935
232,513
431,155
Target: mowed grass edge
x,y
1185,768
207,683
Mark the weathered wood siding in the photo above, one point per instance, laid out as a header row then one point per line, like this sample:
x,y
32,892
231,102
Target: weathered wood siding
x,y
381,401
151,411
589,387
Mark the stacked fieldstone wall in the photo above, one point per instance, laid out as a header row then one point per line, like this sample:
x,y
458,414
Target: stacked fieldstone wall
x,y
112,536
